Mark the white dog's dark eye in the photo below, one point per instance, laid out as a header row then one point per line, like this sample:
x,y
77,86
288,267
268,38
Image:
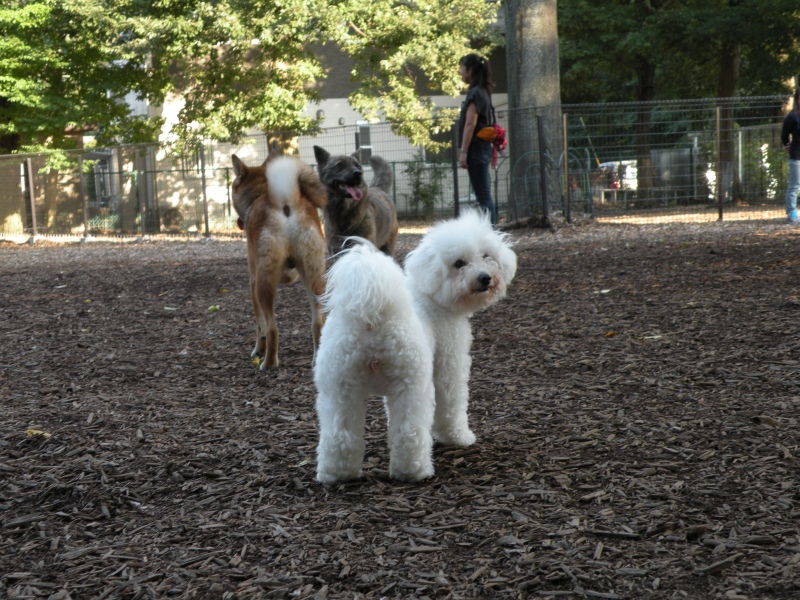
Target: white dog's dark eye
x,y
486,256
460,263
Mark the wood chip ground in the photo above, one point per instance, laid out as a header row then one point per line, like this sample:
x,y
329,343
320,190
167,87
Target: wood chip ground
x,y
635,400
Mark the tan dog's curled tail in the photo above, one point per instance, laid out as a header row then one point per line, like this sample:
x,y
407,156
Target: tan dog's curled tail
x,y
312,188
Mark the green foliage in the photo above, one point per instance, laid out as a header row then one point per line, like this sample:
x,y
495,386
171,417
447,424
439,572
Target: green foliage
x,y
609,50
241,64
425,179
405,50
67,65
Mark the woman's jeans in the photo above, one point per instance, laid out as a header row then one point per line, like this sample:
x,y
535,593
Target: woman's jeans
x,y
793,189
479,157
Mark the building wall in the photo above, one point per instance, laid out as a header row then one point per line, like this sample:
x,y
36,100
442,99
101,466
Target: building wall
x,y
337,86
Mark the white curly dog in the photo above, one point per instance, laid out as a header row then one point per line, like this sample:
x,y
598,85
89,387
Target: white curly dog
x,y
406,337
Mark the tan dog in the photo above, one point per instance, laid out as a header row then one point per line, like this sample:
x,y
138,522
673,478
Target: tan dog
x,y
354,209
277,204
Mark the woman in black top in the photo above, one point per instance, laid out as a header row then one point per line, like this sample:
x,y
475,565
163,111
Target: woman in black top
x,y
476,111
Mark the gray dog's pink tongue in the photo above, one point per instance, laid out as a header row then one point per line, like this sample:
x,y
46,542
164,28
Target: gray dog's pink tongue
x,y
354,192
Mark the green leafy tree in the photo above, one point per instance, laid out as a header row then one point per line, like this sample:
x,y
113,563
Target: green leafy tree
x,y
751,48
405,50
649,50
66,65
236,64
624,50
611,50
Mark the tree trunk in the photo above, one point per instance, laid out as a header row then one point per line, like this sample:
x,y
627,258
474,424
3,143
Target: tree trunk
x,y
533,89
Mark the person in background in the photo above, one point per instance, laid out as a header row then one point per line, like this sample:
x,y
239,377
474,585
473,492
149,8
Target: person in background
x,y
476,154
791,129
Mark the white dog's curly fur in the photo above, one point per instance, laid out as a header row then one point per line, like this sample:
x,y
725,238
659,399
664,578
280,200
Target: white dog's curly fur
x,y
406,337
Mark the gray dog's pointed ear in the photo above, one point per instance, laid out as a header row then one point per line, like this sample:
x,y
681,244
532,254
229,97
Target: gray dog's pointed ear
x,y
322,157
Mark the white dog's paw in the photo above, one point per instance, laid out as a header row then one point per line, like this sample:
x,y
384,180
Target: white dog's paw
x,y
412,475
332,478
461,438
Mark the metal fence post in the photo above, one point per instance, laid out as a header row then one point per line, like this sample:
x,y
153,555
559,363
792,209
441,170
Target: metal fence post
x,y
394,187
120,201
454,161
83,198
228,192
543,170
203,184
32,196
139,192
567,186
718,170
152,188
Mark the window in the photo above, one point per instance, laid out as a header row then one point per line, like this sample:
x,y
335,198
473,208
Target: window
x,y
363,142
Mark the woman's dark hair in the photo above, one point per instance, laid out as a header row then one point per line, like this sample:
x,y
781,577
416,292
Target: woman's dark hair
x,y
797,99
480,69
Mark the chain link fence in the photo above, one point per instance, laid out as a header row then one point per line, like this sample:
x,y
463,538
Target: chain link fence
x,y
633,162
689,160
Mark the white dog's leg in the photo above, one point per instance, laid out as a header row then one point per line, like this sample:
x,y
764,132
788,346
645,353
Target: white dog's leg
x,y
409,411
340,452
451,378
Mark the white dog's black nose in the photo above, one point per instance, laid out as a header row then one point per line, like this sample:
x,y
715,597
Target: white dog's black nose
x,y
485,280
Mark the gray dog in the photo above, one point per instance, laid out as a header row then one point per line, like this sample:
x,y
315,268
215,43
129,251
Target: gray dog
x,y
354,209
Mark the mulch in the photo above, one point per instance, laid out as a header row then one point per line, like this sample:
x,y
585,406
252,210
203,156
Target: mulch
x,y
635,400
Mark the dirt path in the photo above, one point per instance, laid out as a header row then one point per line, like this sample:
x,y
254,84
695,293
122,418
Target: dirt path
x,y
635,398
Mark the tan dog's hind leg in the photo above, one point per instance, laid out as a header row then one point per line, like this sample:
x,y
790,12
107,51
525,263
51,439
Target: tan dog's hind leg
x,y
261,340
252,267
268,275
267,325
317,316
312,271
